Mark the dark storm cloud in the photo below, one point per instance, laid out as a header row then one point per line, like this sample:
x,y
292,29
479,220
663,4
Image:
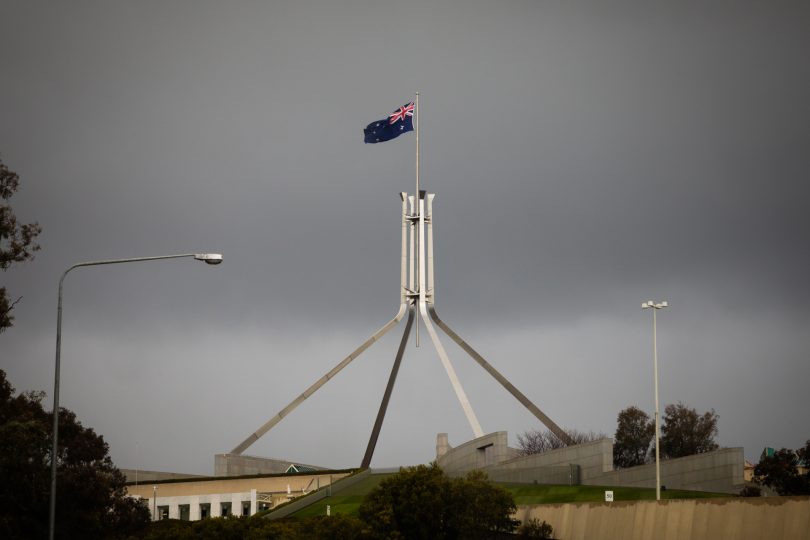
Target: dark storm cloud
x,y
586,156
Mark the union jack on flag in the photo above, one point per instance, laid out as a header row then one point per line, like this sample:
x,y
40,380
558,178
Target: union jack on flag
x,y
401,113
397,123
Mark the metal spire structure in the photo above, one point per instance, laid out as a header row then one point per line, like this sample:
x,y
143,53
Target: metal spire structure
x,y
417,298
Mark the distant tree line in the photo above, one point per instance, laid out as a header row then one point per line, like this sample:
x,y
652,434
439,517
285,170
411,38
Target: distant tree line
x,y
684,432
537,441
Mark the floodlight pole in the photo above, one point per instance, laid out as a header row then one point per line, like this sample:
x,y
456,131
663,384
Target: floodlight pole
x,y
655,307
209,258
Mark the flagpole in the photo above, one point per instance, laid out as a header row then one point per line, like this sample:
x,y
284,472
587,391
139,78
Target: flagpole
x,y
416,206
416,117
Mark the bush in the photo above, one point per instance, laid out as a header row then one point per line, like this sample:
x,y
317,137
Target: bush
x,y
534,528
422,502
751,491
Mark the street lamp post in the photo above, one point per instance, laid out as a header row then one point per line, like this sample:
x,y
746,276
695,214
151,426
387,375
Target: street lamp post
x,y
208,258
655,307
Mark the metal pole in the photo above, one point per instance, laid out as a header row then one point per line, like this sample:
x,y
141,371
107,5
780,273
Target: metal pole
x,y
657,415
210,258
375,432
416,118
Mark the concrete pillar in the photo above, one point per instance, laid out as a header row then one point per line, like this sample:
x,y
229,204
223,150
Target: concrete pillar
x,y
236,504
442,446
174,509
194,509
252,501
215,509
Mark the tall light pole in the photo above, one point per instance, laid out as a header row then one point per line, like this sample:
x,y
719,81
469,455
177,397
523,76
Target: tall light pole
x,y
655,306
209,258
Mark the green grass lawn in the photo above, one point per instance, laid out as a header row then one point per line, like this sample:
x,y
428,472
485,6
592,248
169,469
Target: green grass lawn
x,y
550,494
348,501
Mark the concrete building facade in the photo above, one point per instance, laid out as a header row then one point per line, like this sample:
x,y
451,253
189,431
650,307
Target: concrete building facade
x,y
198,498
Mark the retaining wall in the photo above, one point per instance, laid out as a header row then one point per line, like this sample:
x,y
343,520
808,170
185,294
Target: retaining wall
x,y
762,518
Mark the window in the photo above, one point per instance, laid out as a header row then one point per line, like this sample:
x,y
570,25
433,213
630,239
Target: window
x,y
184,511
225,509
245,508
205,510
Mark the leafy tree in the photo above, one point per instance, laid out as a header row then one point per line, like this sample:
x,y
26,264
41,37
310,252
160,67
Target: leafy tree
x,y
536,442
634,433
534,528
339,527
781,473
684,432
91,498
422,502
17,241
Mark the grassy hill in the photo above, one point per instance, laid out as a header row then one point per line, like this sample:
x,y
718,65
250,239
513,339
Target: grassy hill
x,y
348,501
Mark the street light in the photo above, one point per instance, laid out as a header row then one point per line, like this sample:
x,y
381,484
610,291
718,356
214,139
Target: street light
x,y
208,258
655,307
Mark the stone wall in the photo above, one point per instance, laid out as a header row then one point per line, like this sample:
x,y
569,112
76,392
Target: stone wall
x,y
761,518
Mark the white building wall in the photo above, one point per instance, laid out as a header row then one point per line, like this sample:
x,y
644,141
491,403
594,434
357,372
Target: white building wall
x,y
214,500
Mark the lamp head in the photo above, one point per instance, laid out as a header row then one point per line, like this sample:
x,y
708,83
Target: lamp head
x,y
209,258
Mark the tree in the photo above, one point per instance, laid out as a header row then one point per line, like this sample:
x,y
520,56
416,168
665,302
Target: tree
x,y
780,471
91,497
422,502
634,433
17,241
684,432
536,442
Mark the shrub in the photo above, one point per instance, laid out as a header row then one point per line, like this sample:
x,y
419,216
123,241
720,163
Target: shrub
x,y
534,528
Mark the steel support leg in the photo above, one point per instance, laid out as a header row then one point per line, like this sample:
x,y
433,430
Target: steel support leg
x,y
375,433
320,382
451,373
562,435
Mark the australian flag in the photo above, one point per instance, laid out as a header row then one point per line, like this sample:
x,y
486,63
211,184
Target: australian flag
x,y
397,123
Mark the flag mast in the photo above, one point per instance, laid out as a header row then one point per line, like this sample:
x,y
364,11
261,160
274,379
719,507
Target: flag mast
x,y
416,205
416,117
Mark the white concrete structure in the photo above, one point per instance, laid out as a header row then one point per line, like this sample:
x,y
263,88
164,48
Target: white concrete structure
x,y
198,498
417,299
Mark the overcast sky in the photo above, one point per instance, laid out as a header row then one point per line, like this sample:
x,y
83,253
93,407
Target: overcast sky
x,y
586,156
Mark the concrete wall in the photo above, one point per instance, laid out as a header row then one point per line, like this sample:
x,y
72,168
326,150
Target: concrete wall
x,y
763,518
590,463
233,465
475,454
593,458
137,475
563,474
720,471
